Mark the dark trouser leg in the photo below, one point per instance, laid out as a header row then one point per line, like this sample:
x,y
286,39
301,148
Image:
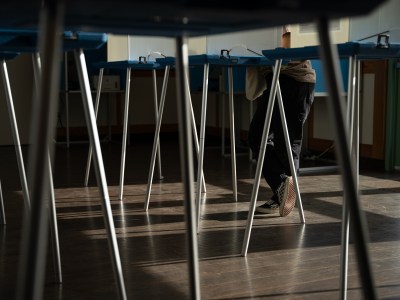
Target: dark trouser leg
x,y
297,100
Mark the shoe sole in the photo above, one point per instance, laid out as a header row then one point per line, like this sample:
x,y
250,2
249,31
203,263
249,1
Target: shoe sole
x,y
267,210
289,200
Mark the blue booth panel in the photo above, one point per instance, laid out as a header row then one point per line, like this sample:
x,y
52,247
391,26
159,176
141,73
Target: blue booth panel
x,y
239,77
320,86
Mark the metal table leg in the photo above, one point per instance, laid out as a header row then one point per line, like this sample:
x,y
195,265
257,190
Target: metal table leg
x,y
275,89
54,226
251,113
37,71
289,154
353,122
232,131
14,129
35,227
261,156
99,170
329,54
156,138
125,133
66,96
195,137
96,110
2,212
201,141
160,176
344,250
185,142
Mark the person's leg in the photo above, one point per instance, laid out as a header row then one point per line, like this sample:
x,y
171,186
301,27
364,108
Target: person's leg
x,y
275,162
254,139
272,166
297,99
290,97
257,124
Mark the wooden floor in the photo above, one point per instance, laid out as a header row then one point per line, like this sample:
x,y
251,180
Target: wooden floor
x,y
286,259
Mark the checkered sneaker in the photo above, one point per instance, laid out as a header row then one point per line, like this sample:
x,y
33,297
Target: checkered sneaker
x,y
269,207
287,196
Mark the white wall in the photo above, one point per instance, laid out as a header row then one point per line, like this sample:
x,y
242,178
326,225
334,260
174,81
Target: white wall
x,y
117,47
239,42
131,47
306,34
152,47
124,47
386,17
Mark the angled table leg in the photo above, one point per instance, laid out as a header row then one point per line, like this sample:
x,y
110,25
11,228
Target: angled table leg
x,y
202,136
54,225
232,133
251,113
35,228
99,170
125,133
353,123
96,110
261,156
37,71
2,213
328,54
156,138
15,134
290,155
275,89
231,130
66,97
155,98
125,127
201,141
345,232
194,129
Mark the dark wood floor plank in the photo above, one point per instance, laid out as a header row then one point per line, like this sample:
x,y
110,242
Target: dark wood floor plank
x,y
286,259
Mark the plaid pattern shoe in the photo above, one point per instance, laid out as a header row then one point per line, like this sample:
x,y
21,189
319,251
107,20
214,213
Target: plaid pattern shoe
x,y
286,195
269,207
